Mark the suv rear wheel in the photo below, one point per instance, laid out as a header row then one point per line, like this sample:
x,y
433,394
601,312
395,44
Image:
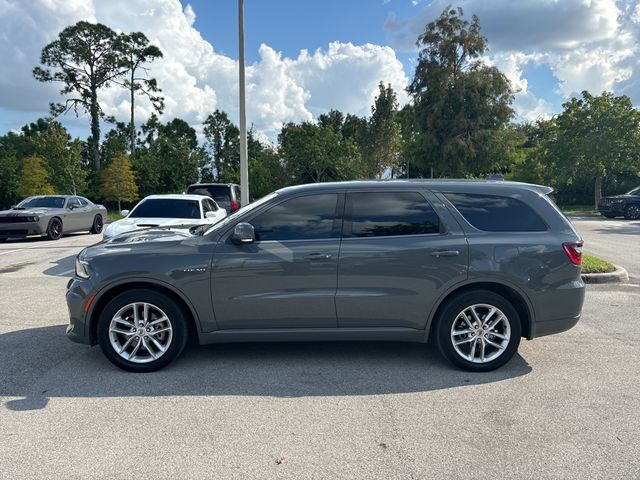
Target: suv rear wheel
x,y
478,331
142,330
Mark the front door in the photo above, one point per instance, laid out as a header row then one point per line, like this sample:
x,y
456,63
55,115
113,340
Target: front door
x,y
397,257
287,278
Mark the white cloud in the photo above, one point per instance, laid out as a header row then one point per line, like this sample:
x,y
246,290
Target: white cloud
x,y
587,44
194,77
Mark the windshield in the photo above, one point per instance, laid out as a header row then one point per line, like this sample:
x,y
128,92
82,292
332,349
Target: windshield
x,y
242,211
42,202
635,191
166,208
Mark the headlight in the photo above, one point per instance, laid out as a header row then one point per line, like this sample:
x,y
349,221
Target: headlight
x,y
82,269
33,219
617,201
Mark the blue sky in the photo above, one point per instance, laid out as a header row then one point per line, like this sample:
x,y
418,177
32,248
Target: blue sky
x,y
550,50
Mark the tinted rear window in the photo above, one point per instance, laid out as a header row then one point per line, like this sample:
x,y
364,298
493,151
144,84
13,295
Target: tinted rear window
x,y
166,208
493,213
219,194
377,214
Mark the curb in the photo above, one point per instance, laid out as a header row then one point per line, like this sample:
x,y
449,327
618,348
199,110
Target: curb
x,y
619,275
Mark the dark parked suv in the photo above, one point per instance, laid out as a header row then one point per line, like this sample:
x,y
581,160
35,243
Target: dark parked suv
x,y
626,205
474,264
226,195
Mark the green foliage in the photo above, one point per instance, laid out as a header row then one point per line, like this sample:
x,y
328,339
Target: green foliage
x,y
596,136
316,153
593,264
34,179
223,143
85,59
383,145
461,105
63,159
118,182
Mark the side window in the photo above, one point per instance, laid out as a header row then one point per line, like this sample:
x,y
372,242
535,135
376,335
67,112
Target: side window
x,y
301,218
73,202
237,193
82,202
376,214
211,205
206,207
493,213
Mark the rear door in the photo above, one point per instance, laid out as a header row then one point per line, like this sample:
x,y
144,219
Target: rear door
x,y
398,255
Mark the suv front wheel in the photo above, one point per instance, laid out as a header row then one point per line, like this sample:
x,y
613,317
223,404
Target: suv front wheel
x,y
478,331
142,330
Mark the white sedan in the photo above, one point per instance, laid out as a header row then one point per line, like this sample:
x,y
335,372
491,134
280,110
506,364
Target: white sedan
x,y
163,210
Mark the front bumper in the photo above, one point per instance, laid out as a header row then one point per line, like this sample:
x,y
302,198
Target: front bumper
x,y
20,229
77,297
616,209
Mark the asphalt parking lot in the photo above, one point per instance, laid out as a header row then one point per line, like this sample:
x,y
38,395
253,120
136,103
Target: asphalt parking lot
x,y
566,407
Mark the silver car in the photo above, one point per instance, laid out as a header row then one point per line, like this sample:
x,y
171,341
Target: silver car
x,y
52,216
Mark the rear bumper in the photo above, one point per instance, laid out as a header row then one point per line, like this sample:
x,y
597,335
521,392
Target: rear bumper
x,y
540,329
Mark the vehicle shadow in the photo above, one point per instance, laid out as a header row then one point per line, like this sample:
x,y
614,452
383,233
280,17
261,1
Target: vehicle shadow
x,y
64,369
63,267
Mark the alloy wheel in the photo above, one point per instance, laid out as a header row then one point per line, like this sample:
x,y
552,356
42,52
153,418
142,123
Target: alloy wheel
x,y
140,332
480,333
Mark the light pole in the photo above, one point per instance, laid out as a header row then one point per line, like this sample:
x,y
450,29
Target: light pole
x,y
244,164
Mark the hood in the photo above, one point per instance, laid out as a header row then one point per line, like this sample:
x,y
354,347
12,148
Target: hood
x,y
131,224
28,211
150,235
619,197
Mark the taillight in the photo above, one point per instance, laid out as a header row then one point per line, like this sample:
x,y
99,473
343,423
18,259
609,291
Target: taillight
x,y
574,251
234,205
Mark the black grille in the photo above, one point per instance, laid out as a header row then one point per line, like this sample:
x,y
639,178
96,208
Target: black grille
x,y
13,219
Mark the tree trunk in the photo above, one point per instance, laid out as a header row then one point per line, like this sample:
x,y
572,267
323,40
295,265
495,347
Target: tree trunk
x,y
598,189
119,208
132,125
95,128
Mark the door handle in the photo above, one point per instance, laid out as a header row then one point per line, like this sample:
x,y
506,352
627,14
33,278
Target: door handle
x,y
318,256
445,253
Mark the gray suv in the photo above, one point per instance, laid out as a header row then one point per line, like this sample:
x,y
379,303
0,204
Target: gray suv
x,y
475,265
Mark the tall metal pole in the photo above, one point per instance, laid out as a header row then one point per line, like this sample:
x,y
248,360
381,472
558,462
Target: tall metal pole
x,y
244,164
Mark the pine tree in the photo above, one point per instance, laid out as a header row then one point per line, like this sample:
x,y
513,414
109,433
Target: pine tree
x,y
118,182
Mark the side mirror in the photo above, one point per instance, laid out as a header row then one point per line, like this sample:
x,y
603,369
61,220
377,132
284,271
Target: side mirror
x,y
243,233
124,213
210,215
71,207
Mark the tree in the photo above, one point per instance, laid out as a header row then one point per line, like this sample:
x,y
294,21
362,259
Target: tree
x,y
118,182
35,178
384,133
460,103
596,136
63,158
316,153
85,58
136,52
223,142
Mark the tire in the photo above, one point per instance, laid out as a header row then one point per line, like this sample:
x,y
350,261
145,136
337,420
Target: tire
x,y
54,229
632,212
142,349
98,225
608,215
507,326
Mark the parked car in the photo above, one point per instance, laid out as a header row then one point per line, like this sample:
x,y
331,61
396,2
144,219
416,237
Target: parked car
x,y
163,210
626,205
475,264
51,216
227,195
